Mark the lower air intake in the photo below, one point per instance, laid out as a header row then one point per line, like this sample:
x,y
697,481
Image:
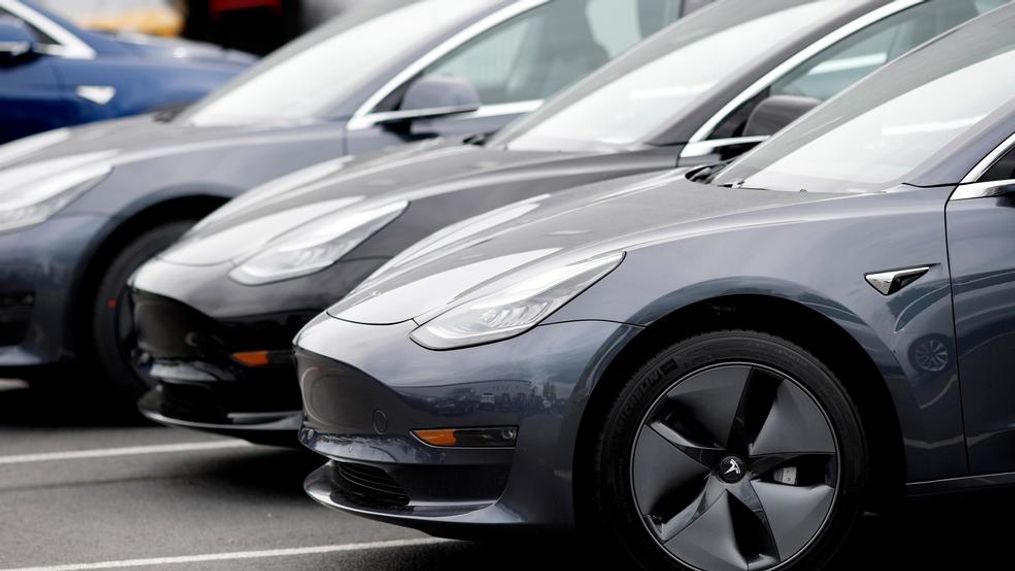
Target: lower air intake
x,y
369,486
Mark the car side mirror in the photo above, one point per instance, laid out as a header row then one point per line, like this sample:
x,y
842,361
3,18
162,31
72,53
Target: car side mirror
x,y
776,112
16,40
988,189
441,92
434,96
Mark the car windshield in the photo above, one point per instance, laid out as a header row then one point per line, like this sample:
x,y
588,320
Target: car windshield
x,y
882,131
306,80
628,102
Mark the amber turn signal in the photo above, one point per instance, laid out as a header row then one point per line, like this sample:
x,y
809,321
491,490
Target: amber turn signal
x,y
252,358
437,437
493,437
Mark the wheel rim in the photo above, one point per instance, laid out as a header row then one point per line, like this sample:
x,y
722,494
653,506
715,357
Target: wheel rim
x,y
735,466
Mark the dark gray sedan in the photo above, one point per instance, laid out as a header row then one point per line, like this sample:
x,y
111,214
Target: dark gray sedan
x,y
714,369
81,209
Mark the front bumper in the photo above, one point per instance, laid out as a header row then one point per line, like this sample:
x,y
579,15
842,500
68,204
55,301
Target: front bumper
x,y
192,407
41,268
201,386
191,321
360,405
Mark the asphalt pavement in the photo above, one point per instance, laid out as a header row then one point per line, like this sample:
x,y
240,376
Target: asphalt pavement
x,y
82,488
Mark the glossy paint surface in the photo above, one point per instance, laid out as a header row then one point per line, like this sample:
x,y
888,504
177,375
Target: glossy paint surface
x,y
980,239
538,382
700,243
444,183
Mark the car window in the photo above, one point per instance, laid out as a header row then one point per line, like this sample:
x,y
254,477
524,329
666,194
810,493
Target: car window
x,y
1003,169
40,37
308,78
896,121
850,60
631,100
987,5
543,50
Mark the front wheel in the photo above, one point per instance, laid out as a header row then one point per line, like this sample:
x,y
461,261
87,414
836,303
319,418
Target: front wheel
x,y
112,326
727,451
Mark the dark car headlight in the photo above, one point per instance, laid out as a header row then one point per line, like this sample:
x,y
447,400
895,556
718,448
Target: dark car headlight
x,y
514,309
28,198
315,246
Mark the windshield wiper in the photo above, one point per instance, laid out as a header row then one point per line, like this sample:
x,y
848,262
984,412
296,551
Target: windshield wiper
x,y
478,140
707,173
169,113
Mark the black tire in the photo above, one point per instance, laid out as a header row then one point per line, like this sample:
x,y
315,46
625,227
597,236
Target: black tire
x,y
111,329
651,485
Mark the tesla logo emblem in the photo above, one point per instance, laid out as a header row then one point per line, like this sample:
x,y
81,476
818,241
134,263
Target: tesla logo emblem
x,y
731,469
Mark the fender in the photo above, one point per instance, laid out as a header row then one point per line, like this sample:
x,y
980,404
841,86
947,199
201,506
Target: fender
x,y
750,260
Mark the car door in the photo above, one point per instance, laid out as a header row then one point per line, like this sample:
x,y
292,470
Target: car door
x,y
980,219
30,97
517,63
829,66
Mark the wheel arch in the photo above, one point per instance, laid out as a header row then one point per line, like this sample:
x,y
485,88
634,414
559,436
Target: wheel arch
x,y
123,229
792,320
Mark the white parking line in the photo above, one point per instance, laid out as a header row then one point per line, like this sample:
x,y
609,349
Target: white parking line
x,y
123,451
236,555
12,385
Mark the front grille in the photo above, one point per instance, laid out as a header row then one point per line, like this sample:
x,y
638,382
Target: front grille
x,y
369,486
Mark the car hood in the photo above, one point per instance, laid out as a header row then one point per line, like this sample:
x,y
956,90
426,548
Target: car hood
x,y
181,50
576,225
404,174
126,141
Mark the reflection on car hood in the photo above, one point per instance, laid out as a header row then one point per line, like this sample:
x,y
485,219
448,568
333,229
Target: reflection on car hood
x,y
137,139
404,174
570,226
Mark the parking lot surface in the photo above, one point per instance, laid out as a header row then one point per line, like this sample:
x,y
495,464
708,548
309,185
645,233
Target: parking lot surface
x,y
79,490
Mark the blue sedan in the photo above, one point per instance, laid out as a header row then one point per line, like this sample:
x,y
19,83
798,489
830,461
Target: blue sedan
x,y
54,74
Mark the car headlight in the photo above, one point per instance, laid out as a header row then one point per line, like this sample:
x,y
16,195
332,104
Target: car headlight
x,y
514,309
23,203
319,244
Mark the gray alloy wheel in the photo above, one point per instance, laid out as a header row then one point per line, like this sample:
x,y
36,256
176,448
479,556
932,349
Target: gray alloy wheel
x,y
735,466
724,451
